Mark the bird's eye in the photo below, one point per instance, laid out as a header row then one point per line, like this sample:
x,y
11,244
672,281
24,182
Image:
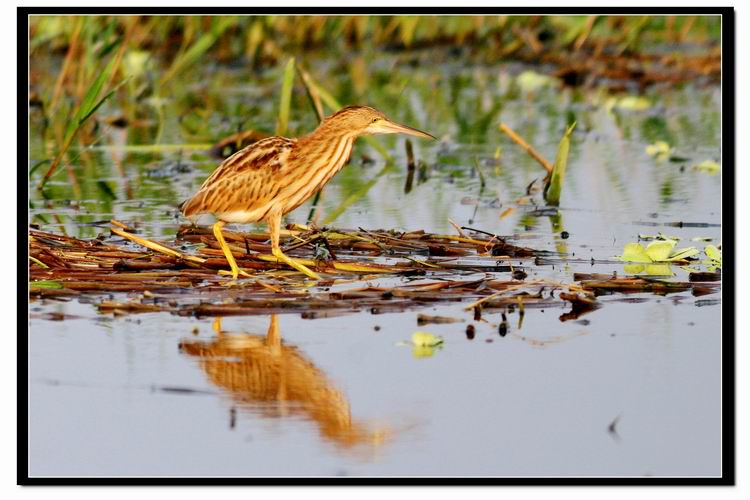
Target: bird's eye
x,y
374,120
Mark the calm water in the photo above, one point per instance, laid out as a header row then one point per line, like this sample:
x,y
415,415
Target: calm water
x,y
633,388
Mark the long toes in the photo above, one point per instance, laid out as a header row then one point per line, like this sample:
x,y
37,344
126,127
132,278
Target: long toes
x,y
304,269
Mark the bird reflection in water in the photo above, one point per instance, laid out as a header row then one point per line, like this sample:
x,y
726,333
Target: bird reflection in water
x,y
264,375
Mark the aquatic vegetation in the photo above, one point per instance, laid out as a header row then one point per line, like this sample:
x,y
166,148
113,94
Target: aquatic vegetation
x,y
87,107
404,261
714,257
629,103
425,339
286,98
661,150
531,81
708,166
553,187
656,251
424,344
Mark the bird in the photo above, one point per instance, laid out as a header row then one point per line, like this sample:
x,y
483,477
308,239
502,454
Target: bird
x,y
271,177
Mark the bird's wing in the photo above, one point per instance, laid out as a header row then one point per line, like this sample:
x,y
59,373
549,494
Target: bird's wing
x,y
245,182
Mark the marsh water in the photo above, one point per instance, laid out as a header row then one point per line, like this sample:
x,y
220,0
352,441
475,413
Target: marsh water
x,y
630,389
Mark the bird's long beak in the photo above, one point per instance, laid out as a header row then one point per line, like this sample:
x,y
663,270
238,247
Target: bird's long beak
x,y
389,127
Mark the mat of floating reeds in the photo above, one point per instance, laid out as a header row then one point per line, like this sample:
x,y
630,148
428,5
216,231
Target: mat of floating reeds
x,y
377,271
116,263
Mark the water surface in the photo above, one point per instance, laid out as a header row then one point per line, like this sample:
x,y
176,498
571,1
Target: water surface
x,y
631,389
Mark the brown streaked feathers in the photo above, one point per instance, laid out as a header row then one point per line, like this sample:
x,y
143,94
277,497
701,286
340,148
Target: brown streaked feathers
x,y
245,182
276,175
272,177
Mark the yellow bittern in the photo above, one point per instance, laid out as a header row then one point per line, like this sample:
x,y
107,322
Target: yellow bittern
x,y
273,176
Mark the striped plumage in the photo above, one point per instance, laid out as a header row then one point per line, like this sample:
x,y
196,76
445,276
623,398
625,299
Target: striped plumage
x,y
273,176
273,172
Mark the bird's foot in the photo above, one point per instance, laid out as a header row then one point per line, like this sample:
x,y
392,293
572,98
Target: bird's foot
x,y
235,273
294,263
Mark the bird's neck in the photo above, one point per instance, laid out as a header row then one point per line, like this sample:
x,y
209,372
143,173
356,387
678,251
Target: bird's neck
x,y
326,142
328,132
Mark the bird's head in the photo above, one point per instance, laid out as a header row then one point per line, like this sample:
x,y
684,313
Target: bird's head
x,y
364,120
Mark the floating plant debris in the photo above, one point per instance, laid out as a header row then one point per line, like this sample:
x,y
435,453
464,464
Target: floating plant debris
x,y
376,271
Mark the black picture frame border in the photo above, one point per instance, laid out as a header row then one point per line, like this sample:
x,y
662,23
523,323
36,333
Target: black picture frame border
x,y
728,477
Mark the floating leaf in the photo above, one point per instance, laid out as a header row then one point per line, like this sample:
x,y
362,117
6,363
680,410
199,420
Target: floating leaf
x,y
659,251
713,253
425,339
701,238
633,103
714,257
659,149
708,166
683,253
531,81
656,251
634,252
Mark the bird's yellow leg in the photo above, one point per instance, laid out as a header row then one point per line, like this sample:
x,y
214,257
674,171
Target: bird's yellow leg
x,y
226,250
274,226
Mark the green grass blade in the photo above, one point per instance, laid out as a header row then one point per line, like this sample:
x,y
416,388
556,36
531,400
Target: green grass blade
x,y
286,98
89,103
553,189
88,106
45,284
102,101
196,51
